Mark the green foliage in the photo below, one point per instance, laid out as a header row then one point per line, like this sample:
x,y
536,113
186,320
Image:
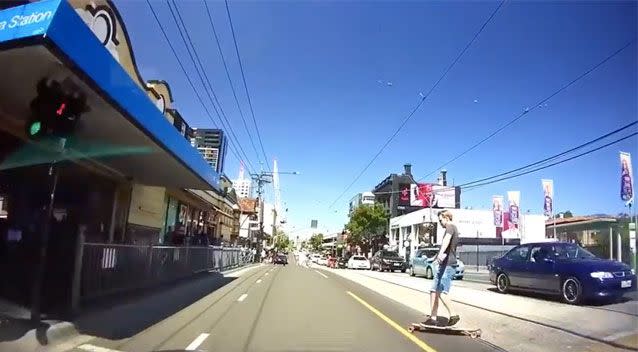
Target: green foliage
x,y
316,241
366,222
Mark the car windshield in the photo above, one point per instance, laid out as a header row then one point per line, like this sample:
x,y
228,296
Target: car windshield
x,y
571,251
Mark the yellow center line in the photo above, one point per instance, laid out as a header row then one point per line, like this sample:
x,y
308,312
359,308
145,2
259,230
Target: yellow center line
x,y
393,324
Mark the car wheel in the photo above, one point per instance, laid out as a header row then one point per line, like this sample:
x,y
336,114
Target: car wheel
x,y
572,291
502,283
428,273
403,270
411,271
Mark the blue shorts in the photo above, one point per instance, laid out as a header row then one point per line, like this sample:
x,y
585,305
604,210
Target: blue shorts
x,y
442,279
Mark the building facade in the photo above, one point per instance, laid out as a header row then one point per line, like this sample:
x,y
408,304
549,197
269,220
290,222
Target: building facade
x,y
361,199
212,144
400,194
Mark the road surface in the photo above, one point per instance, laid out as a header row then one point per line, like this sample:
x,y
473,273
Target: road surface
x,y
291,308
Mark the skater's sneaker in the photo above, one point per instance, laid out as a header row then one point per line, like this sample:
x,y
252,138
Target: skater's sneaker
x,y
430,322
453,320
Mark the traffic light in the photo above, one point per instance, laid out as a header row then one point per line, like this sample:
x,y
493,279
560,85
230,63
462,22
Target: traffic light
x,y
54,112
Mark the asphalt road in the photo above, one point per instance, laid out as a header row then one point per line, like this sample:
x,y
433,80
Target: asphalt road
x,y
291,308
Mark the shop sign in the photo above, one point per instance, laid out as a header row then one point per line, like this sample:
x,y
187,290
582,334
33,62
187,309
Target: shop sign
x,y
27,20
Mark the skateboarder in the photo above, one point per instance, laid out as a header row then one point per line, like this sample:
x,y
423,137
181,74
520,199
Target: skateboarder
x,y
444,271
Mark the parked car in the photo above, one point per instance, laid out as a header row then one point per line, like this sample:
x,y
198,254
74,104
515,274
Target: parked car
x,y
423,263
342,262
314,257
561,268
280,259
387,260
358,262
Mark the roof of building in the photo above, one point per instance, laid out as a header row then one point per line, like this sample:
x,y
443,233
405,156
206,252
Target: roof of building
x,y
248,205
579,220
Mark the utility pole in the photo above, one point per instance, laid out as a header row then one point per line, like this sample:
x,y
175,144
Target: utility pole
x,y
261,179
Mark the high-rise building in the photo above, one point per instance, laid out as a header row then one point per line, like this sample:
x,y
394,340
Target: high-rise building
x,y
242,185
212,144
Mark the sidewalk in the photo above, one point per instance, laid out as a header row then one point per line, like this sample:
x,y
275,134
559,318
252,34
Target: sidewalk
x,y
118,317
514,322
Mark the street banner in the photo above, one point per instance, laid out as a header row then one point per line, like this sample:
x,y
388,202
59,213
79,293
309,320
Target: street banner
x,y
514,199
626,179
548,205
497,210
313,224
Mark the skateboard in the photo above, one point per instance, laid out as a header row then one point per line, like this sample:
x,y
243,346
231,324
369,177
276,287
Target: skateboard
x,y
473,333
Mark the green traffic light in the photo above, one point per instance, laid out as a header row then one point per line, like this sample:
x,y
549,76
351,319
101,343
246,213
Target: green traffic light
x,y
35,127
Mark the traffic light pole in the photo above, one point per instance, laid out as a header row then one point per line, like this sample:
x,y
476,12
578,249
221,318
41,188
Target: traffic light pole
x,y
36,292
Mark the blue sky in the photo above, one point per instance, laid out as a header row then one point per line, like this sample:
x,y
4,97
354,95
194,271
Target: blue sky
x,y
313,70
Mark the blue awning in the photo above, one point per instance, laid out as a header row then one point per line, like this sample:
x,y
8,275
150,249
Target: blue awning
x,y
48,38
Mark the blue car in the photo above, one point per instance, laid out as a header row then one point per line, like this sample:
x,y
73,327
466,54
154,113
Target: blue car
x,y
423,264
564,269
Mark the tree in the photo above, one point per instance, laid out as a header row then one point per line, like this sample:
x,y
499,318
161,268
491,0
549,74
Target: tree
x,y
566,214
282,241
367,223
316,241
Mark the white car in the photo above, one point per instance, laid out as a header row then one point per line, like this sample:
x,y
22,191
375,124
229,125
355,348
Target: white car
x,y
358,262
322,260
314,258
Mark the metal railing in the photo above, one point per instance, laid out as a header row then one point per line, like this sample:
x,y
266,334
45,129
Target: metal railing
x,y
482,259
111,268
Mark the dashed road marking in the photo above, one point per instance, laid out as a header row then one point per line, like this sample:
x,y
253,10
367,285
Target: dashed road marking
x,y
266,274
198,341
93,348
242,297
259,281
424,346
322,274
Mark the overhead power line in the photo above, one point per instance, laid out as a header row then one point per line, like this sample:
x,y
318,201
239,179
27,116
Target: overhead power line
x,y
552,164
419,104
546,162
534,107
243,77
230,81
554,157
204,80
188,79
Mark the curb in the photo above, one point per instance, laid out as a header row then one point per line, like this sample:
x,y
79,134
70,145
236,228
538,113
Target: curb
x,y
56,333
60,332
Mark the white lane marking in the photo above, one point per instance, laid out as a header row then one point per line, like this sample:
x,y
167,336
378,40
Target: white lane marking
x,y
322,274
259,281
266,274
198,341
93,348
242,297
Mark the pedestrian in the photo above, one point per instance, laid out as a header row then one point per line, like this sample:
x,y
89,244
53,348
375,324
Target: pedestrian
x,y
444,271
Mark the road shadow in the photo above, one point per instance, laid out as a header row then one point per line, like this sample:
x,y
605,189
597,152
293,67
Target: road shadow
x,y
125,315
12,329
595,303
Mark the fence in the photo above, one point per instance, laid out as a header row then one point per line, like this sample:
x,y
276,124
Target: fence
x,y
110,268
484,257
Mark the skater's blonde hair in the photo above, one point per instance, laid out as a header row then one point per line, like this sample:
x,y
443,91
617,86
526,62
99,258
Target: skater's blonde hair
x,y
446,214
